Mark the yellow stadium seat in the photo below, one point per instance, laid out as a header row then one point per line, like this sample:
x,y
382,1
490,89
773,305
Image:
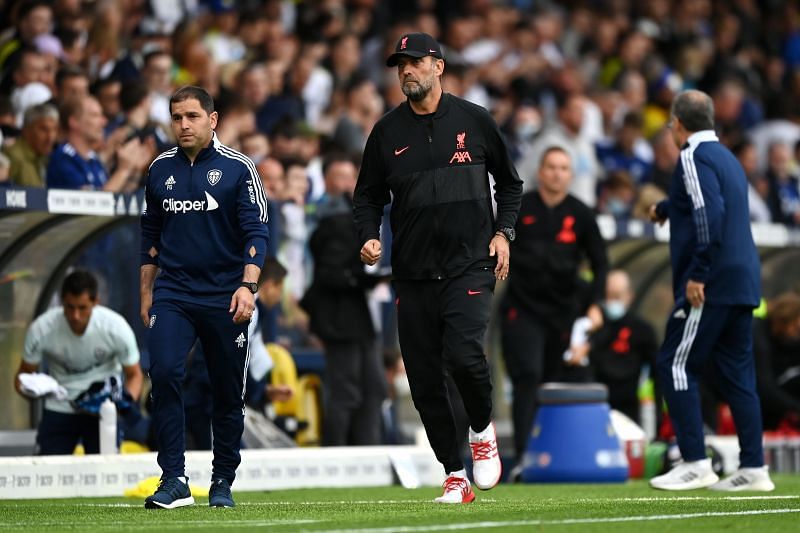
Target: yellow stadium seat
x,y
310,410
284,372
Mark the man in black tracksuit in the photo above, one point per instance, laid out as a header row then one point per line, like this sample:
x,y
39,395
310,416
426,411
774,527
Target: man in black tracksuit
x,y
555,233
430,156
622,347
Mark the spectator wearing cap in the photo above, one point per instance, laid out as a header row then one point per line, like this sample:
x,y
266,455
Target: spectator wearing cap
x,y
30,154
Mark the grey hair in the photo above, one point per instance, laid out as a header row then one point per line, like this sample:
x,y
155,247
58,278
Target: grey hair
x,y
694,109
38,112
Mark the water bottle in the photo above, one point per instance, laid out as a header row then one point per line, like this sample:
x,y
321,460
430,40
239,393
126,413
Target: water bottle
x,y
108,427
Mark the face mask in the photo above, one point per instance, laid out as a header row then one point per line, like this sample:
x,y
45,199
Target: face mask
x,y
527,130
615,309
617,207
401,386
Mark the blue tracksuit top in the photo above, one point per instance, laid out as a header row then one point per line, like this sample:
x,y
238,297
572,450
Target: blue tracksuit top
x,y
709,224
206,220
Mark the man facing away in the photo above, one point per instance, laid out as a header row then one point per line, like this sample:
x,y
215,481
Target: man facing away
x,y
716,284
204,226
430,156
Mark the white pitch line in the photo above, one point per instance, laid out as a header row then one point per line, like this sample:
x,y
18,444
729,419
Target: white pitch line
x,y
162,525
685,498
262,504
568,521
481,500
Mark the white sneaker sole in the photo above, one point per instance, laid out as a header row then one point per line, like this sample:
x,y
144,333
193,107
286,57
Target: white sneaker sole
x,y
484,486
758,486
180,502
699,483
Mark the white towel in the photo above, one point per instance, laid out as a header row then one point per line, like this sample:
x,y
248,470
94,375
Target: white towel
x,y
579,336
37,385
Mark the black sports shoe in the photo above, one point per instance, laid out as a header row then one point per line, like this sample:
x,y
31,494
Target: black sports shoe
x,y
219,495
170,494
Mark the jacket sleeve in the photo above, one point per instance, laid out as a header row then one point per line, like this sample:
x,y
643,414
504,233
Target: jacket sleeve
x,y
703,187
372,192
252,215
337,266
508,185
595,248
151,224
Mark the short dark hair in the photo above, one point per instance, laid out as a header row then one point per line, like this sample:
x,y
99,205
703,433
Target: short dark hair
x,y
694,109
72,107
78,282
334,157
69,71
549,150
149,56
132,94
25,8
192,92
272,270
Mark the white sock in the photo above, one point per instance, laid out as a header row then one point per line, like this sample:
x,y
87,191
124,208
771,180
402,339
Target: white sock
x,y
461,473
183,479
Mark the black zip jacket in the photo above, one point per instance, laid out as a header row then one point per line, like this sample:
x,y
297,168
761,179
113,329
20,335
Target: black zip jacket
x,y
434,170
551,244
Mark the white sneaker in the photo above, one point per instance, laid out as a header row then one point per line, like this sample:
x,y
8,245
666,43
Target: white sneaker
x,y
457,489
486,466
756,479
687,476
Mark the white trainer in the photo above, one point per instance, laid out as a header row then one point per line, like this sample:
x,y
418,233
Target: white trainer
x,y
756,479
687,476
486,466
457,489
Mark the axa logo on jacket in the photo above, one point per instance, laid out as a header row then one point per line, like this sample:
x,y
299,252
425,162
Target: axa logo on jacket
x,y
171,205
461,155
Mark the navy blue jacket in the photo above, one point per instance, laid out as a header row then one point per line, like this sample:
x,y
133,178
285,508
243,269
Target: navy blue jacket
x,y
709,224
206,220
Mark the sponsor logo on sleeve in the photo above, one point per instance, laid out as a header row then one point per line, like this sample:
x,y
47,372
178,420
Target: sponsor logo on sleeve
x,y
251,192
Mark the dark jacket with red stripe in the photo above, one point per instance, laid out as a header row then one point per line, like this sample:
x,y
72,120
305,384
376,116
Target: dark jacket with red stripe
x,y
550,246
434,170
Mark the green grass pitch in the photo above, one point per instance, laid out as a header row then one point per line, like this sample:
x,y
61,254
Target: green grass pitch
x,y
578,508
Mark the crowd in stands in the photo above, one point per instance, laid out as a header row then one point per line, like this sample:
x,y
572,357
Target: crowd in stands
x,y
85,86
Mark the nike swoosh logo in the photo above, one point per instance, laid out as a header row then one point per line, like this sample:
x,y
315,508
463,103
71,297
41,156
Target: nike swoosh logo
x,y
472,293
399,151
431,51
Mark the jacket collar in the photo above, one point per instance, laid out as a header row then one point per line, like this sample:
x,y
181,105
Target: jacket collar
x,y
701,137
444,106
206,152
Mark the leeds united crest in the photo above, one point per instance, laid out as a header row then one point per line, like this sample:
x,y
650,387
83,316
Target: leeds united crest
x,y
214,176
